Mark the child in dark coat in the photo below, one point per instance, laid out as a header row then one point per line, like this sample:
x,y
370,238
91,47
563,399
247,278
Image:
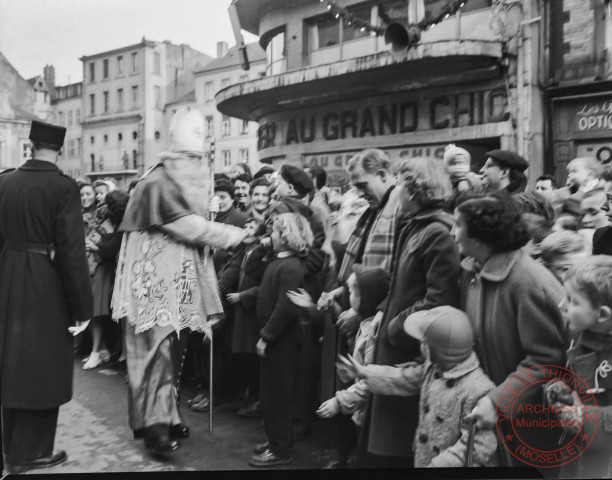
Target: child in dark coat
x,y
240,285
587,308
280,336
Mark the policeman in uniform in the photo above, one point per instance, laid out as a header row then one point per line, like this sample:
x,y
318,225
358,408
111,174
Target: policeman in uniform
x,y
44,289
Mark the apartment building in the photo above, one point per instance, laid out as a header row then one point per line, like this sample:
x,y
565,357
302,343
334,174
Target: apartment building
x,y
122,106
66,107
235,139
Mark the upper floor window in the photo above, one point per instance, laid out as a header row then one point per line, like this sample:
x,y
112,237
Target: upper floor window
x,y
227,158
327,31
105,94
226,126
92,72
275,54
244,155
243,78
92,104
120,99
244,127
225,82
209,93
77,116
135,96
61,118
210,126
120,65
70,118
156,63
135,62
105,68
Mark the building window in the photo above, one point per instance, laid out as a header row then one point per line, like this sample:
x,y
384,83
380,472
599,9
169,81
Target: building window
x,y
275,54
244,155
244,78
135,158
210,127
135,62
209,93
120,65
105,138
105,94
119,137
61,118
93,162
244,127
105,69
156,63
78,147
225,82
120,99
71,153
91,140
157,135
92,104
92,72
157,93
134,135
77,116
70,118
227,158
135,96
327,31
26,151
226,126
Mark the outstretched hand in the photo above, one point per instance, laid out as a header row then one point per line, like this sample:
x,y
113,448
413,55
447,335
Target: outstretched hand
x,y
233,298
348,368
301,298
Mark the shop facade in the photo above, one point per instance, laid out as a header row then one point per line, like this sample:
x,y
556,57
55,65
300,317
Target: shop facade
x,y
321,105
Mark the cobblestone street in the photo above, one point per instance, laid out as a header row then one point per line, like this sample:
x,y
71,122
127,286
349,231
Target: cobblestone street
x,y
93,429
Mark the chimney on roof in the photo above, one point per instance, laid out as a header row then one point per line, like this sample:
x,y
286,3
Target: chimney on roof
x,y
222,49
49,75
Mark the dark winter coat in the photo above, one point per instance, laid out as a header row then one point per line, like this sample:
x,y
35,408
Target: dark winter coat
x,y
425,275
40,299
234,278
512,303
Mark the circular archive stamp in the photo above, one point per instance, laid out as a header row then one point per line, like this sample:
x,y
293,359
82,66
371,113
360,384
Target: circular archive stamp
x,y
546,416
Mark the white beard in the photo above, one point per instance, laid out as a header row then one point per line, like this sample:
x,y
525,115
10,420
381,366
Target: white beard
x,y
194,181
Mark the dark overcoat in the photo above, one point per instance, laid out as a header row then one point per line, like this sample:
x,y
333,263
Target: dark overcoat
x,y
40,298
425,275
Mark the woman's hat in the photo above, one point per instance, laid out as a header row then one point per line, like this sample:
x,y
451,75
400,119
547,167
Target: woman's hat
x,y
451,151
187,132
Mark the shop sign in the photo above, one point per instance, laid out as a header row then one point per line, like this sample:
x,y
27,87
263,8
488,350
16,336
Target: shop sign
x,y
403,117
335,163
592,116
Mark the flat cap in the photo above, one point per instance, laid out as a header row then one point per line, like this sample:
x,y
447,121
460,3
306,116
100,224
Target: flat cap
x,y
297,177
508,159
47,133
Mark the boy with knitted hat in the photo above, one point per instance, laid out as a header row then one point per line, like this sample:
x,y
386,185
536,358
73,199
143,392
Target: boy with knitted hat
x,y
449,383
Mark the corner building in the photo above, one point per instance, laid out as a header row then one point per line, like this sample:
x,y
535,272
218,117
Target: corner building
x,y
333,87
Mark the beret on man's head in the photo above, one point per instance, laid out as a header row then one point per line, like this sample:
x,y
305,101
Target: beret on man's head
x,y
297,177
508,159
